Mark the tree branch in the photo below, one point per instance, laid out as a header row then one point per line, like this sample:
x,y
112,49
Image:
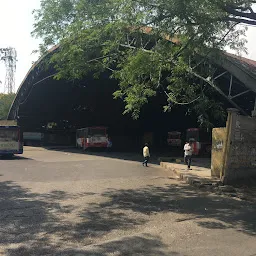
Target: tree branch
x,y
244,21
233,11
240,16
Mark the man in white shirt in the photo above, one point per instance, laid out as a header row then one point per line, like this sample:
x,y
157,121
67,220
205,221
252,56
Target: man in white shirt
x,y
188,151
146,155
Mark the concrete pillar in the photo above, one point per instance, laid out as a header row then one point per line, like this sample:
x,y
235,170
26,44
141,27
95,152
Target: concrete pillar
x,y
231,124
219,137
254,111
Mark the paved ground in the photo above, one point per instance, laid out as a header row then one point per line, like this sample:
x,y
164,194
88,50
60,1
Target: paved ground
x,y
60,203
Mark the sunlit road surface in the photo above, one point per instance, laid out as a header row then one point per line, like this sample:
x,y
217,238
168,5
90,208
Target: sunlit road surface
x,y
68,203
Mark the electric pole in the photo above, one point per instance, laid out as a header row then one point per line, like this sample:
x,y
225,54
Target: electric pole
x,y
9,56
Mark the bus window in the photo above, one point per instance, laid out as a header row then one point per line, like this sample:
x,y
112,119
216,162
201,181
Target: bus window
x,y
193,134
10,140
97,132
9,135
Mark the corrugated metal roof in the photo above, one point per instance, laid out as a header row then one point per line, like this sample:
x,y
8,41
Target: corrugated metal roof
x,y
246,63
243,59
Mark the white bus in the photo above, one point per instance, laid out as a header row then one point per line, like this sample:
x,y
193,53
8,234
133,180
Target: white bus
x,y
92,137
11,140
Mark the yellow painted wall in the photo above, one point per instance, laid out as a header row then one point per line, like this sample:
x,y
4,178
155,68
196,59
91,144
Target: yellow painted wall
x,y
219,137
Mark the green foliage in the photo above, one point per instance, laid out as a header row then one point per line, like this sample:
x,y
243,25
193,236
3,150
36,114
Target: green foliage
x,y
5,104
115,35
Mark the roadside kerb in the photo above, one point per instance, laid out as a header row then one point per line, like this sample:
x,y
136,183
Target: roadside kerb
x,y
197,176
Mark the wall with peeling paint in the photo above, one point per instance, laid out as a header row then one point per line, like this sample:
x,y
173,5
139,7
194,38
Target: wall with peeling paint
x,y
219,137
241,147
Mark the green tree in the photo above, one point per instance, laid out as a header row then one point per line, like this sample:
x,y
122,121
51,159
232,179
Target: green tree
x,y
5,104
150,46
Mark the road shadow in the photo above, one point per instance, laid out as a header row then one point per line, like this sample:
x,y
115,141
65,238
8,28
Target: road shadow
x,y
224,212
202,162
41,224
128,246
196,162
59,195
33,224
128,156
156,157
13,158
23,216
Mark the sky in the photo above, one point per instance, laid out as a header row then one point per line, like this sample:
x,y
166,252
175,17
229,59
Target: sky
x,y
16,24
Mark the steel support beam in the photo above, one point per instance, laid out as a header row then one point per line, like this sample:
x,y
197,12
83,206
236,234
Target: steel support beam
x,y
211,83
215,78
230,86
240,94
248,79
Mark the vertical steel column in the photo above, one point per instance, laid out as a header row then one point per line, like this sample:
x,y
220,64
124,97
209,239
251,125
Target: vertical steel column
x,y
230,85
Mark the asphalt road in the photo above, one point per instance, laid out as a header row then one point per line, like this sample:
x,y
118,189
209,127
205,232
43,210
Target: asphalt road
x,y
61,203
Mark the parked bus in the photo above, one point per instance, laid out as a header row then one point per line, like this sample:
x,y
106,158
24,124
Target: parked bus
x,y
33,138
11,141
201,141
92,137
174,139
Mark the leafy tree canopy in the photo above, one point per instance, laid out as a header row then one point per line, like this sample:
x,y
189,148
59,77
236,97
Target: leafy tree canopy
x,y
5,104
150,46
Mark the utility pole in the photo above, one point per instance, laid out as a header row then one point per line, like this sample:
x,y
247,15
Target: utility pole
x,y
9,56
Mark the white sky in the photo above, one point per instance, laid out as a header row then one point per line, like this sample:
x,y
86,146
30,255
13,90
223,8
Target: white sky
x,y
16,23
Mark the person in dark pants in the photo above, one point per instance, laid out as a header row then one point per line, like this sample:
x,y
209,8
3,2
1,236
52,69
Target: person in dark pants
x,y
146,155
188,152
109,146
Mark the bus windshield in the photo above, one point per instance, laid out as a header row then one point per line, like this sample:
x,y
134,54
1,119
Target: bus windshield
x,y
11,140
8,135
194,135
173,136
97,132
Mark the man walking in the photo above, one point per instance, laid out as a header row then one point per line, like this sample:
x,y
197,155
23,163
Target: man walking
x,y
146,155
188,151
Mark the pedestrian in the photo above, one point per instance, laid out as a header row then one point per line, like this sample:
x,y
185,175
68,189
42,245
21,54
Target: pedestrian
x,y
188,151
146,155
109,146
